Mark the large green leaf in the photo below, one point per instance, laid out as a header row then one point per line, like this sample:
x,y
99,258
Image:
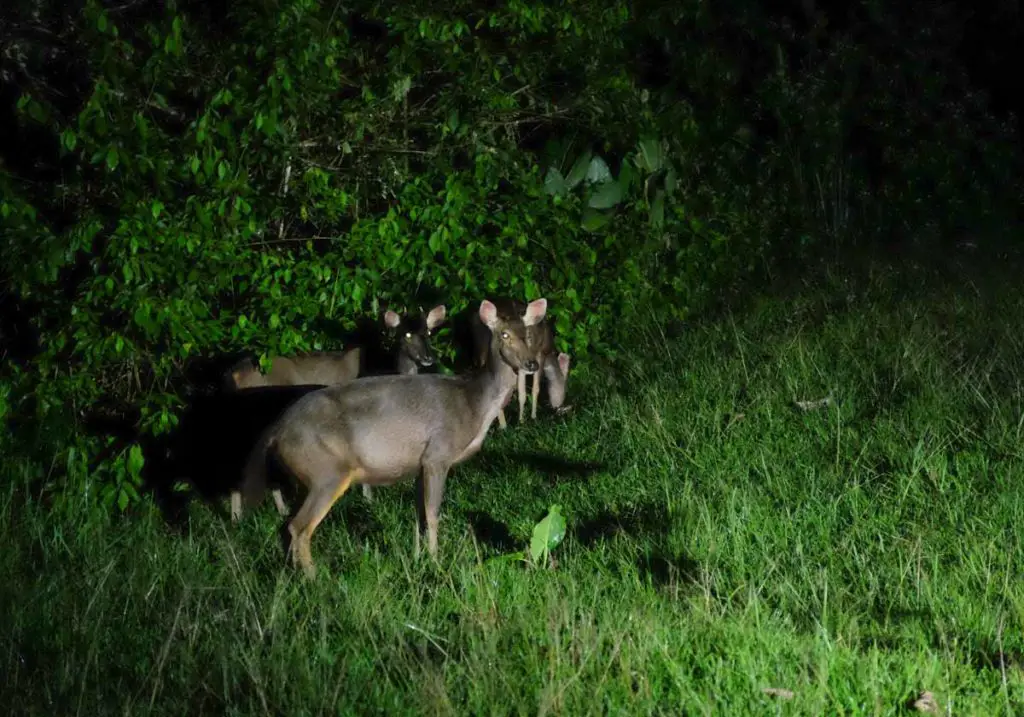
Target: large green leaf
x,y
593,219
547,534
554,183
579,170
606,195
649,155
598,172
657,216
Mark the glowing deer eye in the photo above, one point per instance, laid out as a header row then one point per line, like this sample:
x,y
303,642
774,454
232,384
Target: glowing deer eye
x,y
504,335
408,336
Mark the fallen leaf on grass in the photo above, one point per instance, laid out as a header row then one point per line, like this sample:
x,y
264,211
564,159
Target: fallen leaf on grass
x,y
780,692
814,405
926,703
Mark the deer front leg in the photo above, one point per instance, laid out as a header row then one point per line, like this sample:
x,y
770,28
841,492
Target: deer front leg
x,y
434,477
535,393
521,392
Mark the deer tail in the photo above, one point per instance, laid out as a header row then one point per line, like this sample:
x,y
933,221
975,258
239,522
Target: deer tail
x,y
254,475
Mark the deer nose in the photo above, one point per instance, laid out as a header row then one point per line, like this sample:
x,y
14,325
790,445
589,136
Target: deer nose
x,y
427,360
531,365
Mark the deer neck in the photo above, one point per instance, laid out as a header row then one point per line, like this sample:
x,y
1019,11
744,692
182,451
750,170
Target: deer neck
x,y
494,383
405,365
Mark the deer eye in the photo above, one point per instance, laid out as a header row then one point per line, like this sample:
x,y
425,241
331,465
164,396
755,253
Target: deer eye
x,y
504,335
408,335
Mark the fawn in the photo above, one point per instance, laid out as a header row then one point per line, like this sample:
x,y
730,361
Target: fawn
x,y
380,429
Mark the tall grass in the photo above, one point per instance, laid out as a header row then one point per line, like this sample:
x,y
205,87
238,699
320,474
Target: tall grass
x,y
722,541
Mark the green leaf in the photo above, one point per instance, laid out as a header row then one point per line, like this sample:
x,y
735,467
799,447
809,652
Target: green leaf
x,y
547,534
579,170
275,321
401,87
657,216
598,172
593,219
112,158
627,175
135,461
156,208
143,320
507,557
649,155
453,121
671,179
607,196
554,182
69,139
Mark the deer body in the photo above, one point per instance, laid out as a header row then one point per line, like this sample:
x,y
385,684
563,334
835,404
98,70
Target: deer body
x,y
379,430
320,369
412,349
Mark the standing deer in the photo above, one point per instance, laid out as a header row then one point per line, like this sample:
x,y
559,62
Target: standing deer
x,y
413,347
412,351
380,429
541,341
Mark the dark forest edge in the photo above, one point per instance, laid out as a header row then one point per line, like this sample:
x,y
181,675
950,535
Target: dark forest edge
x,y
188,181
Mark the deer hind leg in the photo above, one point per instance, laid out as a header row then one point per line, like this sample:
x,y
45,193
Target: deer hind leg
x,y
282,507
236,506
318,503
535,393
368,492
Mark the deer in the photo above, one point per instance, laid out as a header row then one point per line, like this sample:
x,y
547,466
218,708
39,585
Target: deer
x,y
381,429
412,352
541,340
315,369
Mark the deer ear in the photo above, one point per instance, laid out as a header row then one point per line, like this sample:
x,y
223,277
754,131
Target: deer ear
x,y
391,319
535,311
436,316
563,363
488,314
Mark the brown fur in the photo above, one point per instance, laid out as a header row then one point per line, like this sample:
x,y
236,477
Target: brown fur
x,y
541,340
320,369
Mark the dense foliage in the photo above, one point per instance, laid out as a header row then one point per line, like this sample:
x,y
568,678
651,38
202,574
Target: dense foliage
x,y
185,179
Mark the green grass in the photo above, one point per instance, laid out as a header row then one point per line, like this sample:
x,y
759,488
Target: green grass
x,y
728,542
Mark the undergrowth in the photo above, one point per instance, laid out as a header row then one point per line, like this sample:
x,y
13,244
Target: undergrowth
x,y
820,495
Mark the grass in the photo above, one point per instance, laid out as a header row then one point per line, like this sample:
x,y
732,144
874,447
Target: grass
x,y
721,541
